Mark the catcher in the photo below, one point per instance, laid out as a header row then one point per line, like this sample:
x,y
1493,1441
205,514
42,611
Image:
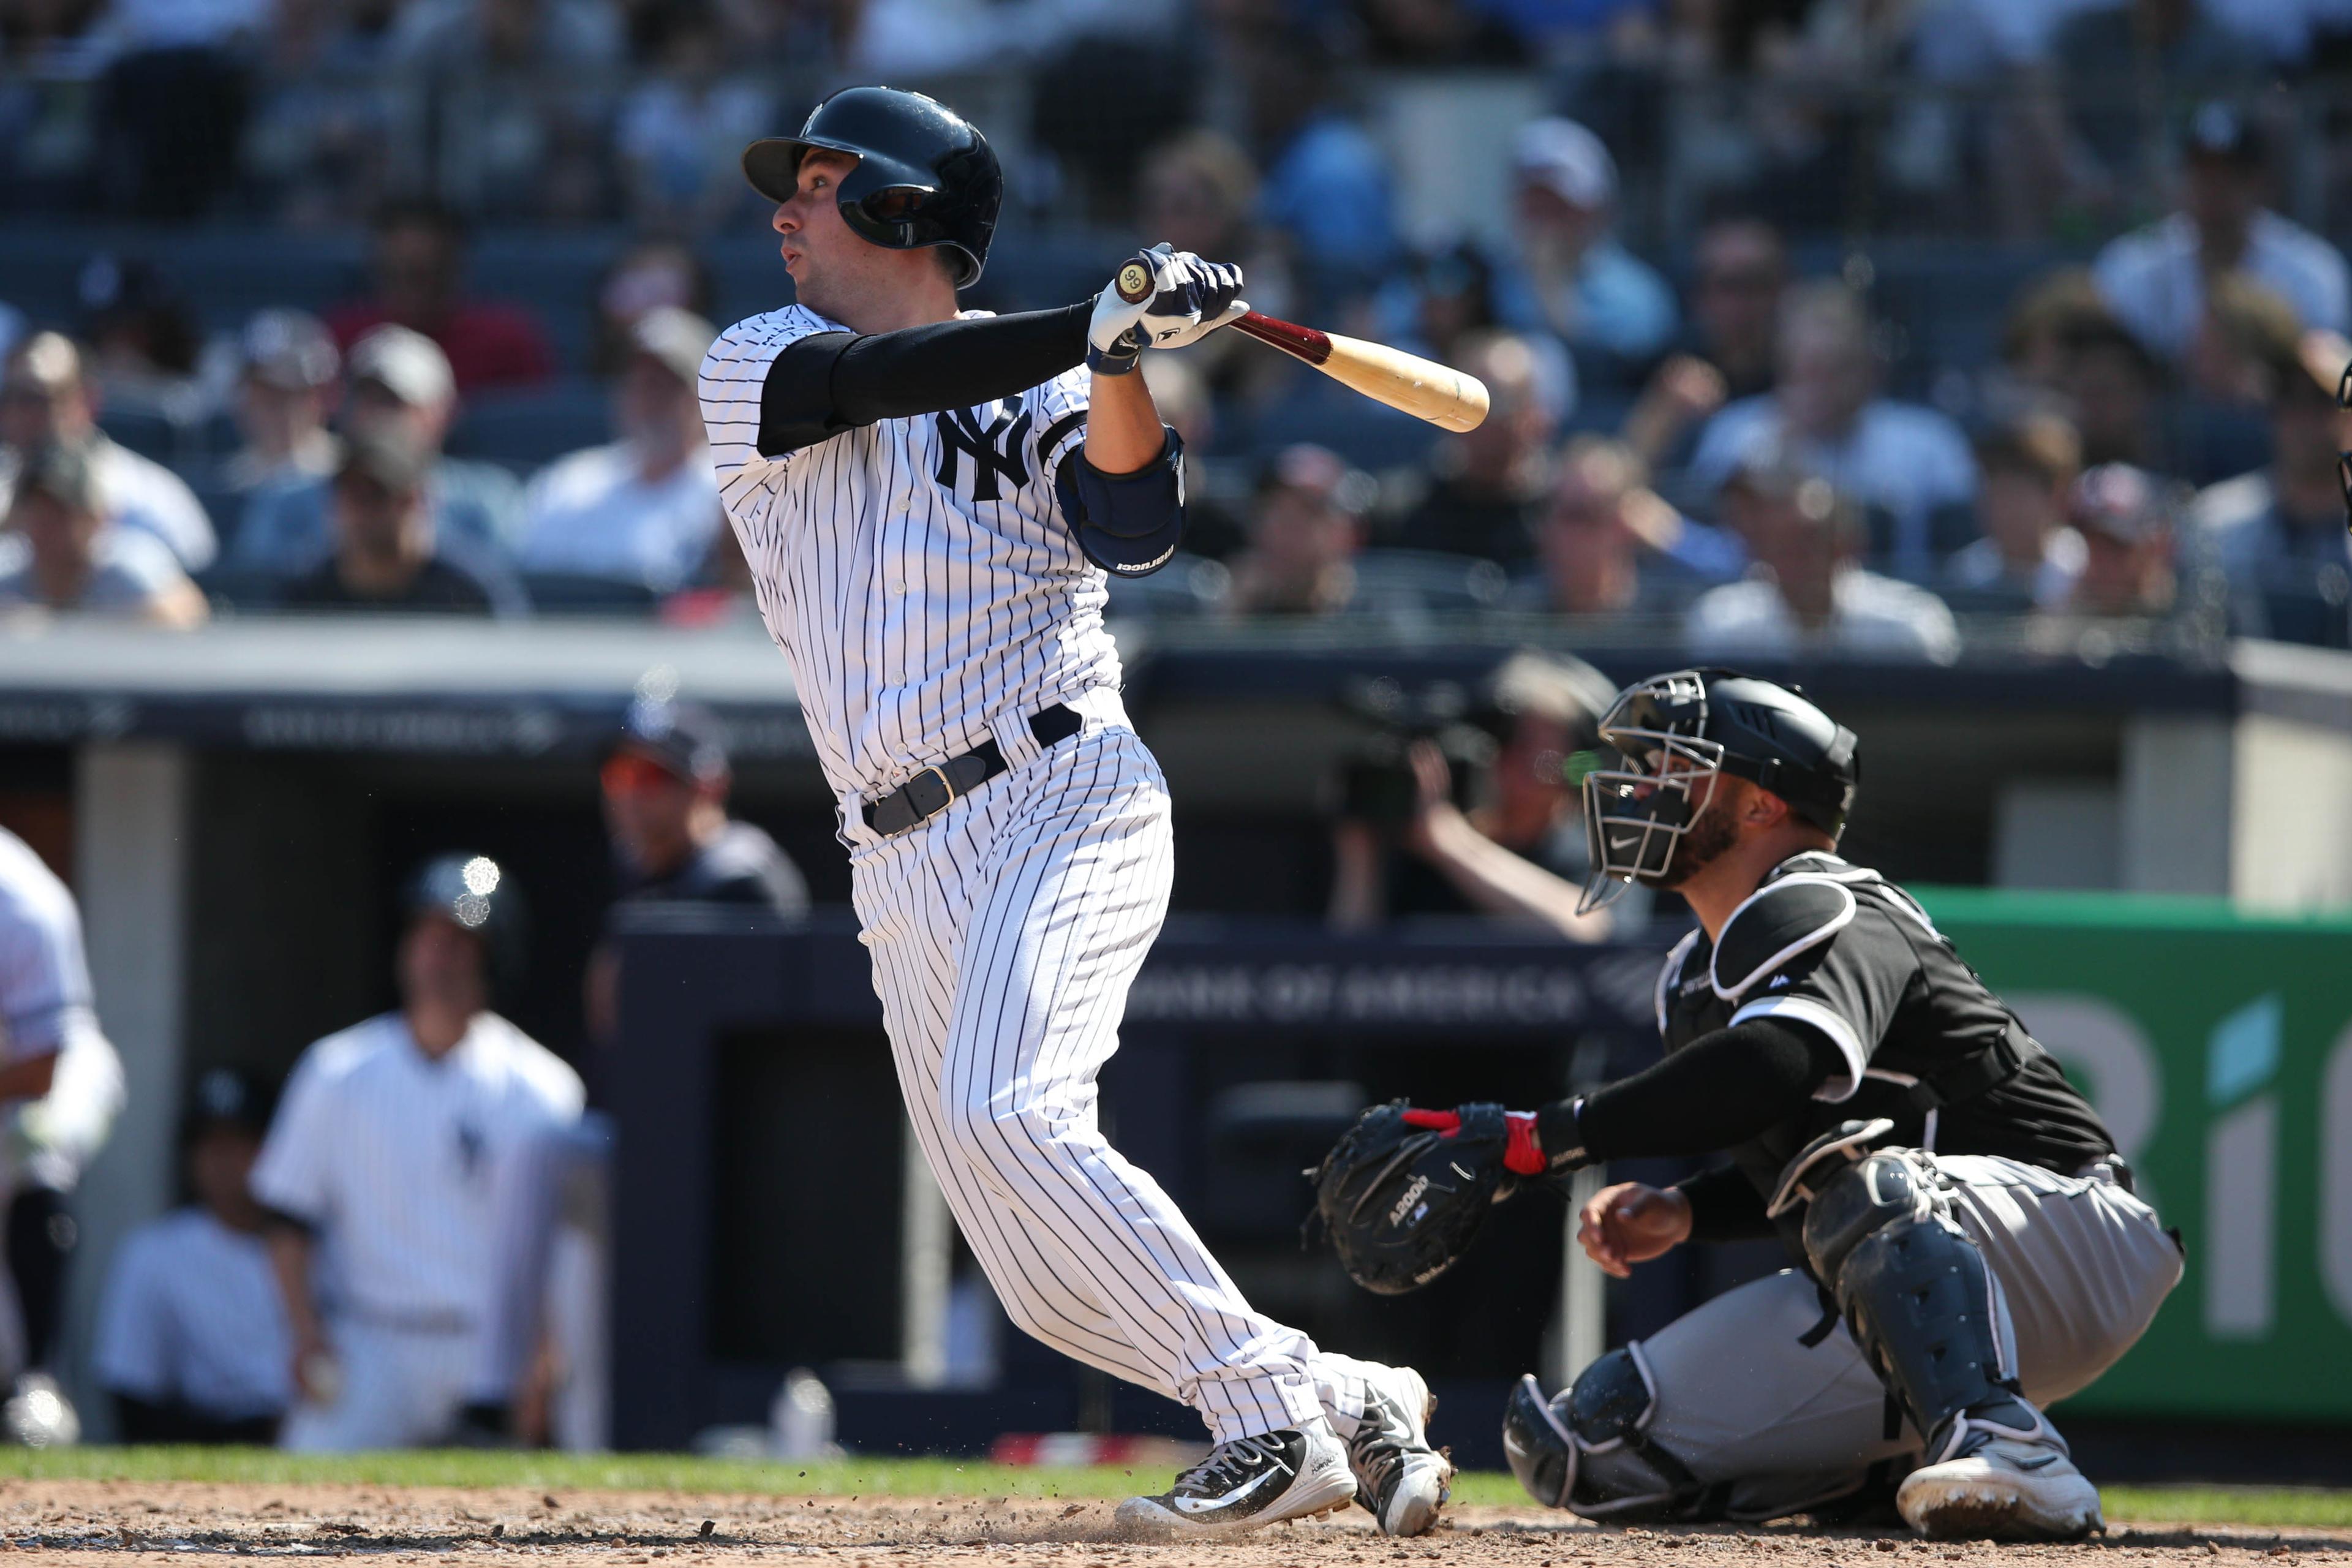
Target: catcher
x,y
1967,1245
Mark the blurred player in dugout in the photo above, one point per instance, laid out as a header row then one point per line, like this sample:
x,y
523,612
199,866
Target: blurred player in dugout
x,y
60,1090
383,1172
191,1338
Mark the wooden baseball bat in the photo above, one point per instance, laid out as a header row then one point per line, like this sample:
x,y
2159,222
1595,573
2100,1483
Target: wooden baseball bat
x,y
1449,399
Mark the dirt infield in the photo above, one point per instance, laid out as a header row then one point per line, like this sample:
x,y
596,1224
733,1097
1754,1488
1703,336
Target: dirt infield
x,y
153,1522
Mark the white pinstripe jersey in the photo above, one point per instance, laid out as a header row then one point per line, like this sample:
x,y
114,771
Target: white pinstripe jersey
x,y
917,571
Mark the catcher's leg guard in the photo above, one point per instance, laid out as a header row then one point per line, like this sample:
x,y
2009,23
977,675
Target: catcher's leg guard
x,y
1587,1449
1917,1296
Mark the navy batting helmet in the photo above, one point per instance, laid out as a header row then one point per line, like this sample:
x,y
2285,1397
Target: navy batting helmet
x,y
475,893
924,175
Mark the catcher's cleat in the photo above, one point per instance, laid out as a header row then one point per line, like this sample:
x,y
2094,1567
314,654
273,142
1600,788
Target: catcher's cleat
x,y
1247,1482
2001,1485
1399,1476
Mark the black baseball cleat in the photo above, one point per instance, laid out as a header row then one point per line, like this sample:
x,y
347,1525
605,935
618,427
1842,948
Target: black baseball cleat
x,y
1399,1476
1248,1482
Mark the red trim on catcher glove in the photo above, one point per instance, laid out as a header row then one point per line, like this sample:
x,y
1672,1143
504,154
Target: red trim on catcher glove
x,y
1523,1155
1447,1122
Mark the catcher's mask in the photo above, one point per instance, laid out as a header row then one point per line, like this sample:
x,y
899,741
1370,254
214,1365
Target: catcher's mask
x,y
1672,736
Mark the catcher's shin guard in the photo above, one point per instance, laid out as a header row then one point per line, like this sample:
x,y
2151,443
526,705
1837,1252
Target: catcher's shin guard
x,y
1914,1290
1588,1449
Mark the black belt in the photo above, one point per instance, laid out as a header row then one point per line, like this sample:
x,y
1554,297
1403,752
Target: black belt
x,y
939,786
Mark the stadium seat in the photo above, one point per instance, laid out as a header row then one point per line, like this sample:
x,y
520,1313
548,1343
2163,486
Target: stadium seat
x,y
1260,1136
1365,433
526,430
1438,580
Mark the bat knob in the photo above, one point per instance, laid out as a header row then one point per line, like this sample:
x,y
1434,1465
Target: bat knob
x,y
1134,282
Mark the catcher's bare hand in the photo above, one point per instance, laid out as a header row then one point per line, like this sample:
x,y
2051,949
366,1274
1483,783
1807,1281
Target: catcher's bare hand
x,y
1631,1223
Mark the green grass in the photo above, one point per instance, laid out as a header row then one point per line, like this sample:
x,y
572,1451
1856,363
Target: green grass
x,y
561,1473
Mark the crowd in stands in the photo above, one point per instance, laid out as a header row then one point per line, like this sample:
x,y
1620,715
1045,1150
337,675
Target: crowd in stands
x,y
1741,428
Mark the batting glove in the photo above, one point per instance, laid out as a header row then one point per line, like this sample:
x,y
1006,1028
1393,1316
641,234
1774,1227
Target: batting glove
x,y
1180,298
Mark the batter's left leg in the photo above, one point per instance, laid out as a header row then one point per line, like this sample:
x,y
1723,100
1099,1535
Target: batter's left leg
x,y
1074,894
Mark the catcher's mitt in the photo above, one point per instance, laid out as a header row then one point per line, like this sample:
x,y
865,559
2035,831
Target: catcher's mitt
x,y
1403,1194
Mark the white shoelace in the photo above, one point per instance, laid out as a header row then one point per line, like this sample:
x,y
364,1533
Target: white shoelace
x,y
1231,1460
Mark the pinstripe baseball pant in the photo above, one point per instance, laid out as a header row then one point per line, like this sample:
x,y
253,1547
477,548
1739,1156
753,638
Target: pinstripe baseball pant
x,y
1005,933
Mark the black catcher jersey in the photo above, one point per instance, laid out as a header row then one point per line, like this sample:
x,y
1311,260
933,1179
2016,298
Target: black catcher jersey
x,y
1839,948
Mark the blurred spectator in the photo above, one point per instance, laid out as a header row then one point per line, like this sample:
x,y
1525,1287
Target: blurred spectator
x,y
419,273
1608,544
1740,270
2154,278
327,131
1420,34
2029,558
173,103
1572,276
648,276
1489,483
1305,533
62,553
1326,186
2113,388
1805,594
286,369
645,508
381,1171
2034,334
142,340
1826,412
2116,65
388,554
682,128
46,396
2278,534
395,381
191,1338
1516,849
2125,521
1200,193
457,35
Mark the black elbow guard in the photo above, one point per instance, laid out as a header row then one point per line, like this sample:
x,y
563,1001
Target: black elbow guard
x,y
1127,524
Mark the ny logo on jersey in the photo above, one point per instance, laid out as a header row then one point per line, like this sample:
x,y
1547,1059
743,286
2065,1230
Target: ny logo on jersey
x,y
995,451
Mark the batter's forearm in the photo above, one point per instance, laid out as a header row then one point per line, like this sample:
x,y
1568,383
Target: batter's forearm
x,y
1124,435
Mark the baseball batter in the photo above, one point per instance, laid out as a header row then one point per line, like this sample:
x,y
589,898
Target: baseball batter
x,y
60,1088
1969,1245
930,502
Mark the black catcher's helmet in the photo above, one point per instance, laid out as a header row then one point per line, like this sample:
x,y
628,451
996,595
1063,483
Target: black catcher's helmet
x,y
924,175
474,892
1674,733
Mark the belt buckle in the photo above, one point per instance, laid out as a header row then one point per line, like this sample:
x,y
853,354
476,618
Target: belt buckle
x,y
924,813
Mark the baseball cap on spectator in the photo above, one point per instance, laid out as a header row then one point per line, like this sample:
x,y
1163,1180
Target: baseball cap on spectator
x,y
674,339
407,364
385,457
64,472
684,738
2120,502
1322,473
224,1098
1567,160
289,350
2221,131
